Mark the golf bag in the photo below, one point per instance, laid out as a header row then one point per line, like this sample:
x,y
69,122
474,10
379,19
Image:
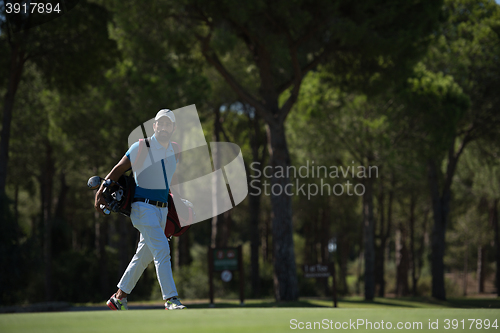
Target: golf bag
x,y
177,225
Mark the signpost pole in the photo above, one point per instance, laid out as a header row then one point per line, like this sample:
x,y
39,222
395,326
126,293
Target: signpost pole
x,y
210,275
334,285
242,276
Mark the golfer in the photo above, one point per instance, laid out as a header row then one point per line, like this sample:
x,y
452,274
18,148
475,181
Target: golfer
x,y
149,212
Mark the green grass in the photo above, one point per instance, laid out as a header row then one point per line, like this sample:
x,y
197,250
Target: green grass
x,y
266,316
237,319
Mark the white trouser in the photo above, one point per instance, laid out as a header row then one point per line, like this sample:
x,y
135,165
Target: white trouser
x,y
153,244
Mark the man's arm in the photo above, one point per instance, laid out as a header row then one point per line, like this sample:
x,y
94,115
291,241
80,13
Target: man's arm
x,y
115,174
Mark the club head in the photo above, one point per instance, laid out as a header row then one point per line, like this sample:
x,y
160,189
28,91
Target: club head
x,y
94,182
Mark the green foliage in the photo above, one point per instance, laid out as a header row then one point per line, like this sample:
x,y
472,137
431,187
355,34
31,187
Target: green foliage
x,y
192,281
467,48
81,268
436,106
72,50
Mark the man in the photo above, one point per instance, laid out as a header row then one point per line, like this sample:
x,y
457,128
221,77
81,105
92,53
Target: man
x,y
149,212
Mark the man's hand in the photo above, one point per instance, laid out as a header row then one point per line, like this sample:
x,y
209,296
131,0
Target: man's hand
x,y
99,200
115,174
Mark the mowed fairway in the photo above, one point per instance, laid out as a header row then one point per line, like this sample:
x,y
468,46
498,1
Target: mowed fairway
x,y
251,320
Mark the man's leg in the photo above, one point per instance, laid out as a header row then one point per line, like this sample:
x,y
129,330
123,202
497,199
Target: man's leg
x,y
150,221
139,262
136,267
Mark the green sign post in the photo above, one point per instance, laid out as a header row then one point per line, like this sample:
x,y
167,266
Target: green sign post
x,y
225,260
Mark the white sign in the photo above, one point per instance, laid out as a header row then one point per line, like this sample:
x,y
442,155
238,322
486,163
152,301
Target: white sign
x,y
226,276
316,271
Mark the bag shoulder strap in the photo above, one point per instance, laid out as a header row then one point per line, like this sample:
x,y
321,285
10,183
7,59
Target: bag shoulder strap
x,y
142,153
177,152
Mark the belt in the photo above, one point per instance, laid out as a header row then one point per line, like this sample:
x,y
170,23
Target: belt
x,y
151,202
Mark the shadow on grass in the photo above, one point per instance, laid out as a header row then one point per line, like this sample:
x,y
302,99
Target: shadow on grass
x,y
493,303
354,302
378,302
423,302
258,304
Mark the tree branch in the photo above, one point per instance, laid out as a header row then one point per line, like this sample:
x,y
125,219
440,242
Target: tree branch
x,y
246,32
304,70
223,131
298,77
453,160
213,59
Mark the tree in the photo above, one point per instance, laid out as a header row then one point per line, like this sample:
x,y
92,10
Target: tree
x,y
364,129
436,106
464,53
478,176
80,36
284,42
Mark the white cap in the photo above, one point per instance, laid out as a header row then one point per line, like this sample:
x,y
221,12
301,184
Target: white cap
x,y
167,113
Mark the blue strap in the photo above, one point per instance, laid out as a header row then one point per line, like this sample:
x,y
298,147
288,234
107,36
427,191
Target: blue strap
x,y
164,174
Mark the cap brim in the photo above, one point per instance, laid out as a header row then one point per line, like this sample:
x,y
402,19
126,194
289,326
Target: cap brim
x,y
165,115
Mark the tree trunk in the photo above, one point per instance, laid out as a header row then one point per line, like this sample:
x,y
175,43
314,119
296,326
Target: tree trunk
x,y
368,241
47,182
466,265
254,209
380,249
493,219
325,236
265,244
254,202
402,288
10,255
8,231
359,271
385,236
16,206
480,268
412,246
15,72
441,210
309,241
440,205
285,274
422,245
344,259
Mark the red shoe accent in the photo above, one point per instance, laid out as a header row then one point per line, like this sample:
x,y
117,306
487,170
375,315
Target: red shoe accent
x,y
111,305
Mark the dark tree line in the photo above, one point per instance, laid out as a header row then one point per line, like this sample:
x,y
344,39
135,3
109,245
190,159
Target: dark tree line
x,y
408,87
